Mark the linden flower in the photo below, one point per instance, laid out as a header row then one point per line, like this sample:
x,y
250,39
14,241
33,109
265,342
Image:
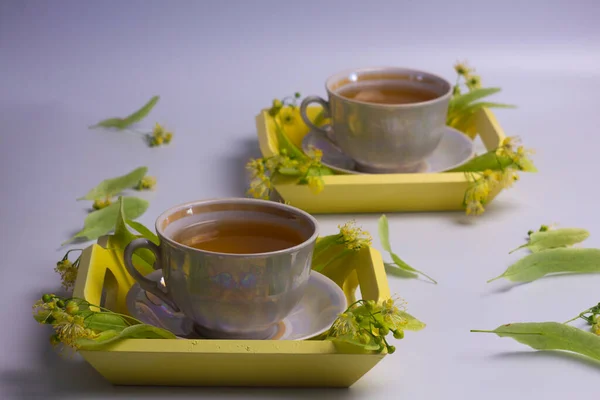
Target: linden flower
x,y
521,158
315,154
100,204
315,184
392,314
473,82
462,68
146,183
159,136
345,324
70,329
508,177
474,207
480,190
353,237
68,272
507,147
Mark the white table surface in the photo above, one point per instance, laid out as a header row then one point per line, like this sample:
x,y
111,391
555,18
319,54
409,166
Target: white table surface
x,y
66,64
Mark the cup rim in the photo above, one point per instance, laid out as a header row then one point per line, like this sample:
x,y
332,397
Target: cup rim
x,y
335,77
285,207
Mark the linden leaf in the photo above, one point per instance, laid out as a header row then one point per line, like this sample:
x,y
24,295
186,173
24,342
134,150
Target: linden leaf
x,y
564,237
101,222
489,160
122,123
142,230
559,260
139,331
383,227
143,259
551,336
112,186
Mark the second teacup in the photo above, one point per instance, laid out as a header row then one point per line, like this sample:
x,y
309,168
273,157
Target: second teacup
x,y
386,119
236,267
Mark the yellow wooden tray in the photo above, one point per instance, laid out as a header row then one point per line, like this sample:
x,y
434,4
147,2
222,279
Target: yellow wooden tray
x,y
382,192
103,280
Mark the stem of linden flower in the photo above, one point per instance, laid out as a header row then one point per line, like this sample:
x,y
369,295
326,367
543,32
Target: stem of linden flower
x,y
67,255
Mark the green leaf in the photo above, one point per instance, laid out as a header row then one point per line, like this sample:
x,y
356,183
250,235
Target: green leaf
x,y
393,269
101,321
460,102
142,230
564,237
286,145
551,336
112,186
560,260
143,259
101,222
140,331
383,228
122,123
489,160
413,323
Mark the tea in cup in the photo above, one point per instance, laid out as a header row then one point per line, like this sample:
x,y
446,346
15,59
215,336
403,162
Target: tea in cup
x,y
236,267
386,119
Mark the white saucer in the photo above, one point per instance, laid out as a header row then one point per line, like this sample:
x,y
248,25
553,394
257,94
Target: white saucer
x,y
323,301
454,149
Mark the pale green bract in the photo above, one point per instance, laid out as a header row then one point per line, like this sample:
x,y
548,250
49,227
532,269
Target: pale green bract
x,y
551,336
143,259
384,237
112,186
556,238
142,230
101,222
559,260
139,331
122,123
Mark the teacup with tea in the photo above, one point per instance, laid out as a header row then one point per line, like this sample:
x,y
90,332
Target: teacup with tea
x,y
386,119
236,267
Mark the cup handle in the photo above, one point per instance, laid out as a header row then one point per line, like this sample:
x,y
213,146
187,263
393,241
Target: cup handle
x,y
326,133
148,285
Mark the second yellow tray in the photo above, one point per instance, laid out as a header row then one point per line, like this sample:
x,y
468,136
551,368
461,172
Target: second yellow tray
x,y
381,192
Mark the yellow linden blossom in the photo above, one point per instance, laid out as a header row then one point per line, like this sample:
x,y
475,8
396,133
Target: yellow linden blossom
x,y
353,237
474,207
71,328
507,147
315,184
68,273
392,315
159,136
146,183
508,177
473,82
345,324
462,68
100,204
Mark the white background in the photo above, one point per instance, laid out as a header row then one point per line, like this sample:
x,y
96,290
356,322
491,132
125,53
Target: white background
x,y
67,64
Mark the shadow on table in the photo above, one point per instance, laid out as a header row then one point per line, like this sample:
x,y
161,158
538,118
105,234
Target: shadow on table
x,y
549,354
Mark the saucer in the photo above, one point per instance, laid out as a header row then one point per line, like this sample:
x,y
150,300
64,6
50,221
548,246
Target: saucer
x,y
323,301
454,149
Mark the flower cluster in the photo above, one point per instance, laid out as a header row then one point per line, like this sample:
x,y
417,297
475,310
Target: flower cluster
x,y
290,161
367,323
146,183
101,203
353,237
509,161
68,270
592,317
159,136
467,75
66,318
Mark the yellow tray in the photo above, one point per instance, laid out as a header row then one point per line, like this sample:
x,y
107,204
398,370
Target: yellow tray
x,y
102,278
381,192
